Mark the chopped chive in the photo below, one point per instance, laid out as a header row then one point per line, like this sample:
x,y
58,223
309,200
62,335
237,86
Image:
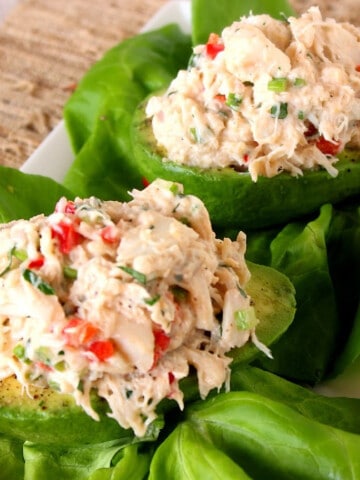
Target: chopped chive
x,y
299,82
277,84
138,276
279,111
193,60
9,263
14,252
19,351
70,272
19,253
174,189
60,366
37,282
301,115
242,291
151,301
233,101
194,135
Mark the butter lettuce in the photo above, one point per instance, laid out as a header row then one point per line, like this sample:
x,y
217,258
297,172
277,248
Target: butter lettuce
x,y
98,115
11,462
271,440
321,257
23,195
225,12
87,462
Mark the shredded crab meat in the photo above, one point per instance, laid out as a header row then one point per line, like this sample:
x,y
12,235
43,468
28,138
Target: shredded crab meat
x,y
275,96
122,298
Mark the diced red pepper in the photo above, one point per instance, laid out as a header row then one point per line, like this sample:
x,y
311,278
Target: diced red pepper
x,y
357,68
162,341
37,262
109,234
79,332
214,46
246,157
311,129
67,236
43,366
220,97
327,147
171,377
102,349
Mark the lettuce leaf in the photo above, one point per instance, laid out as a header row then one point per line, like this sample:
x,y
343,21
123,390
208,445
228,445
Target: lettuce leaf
x,y
99,113
299,251
11,461
193,457
272,440
338,412
23,195
104,461
221,14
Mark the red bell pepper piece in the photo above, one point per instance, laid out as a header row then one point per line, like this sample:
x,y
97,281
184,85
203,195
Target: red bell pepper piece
x,y
37,262
102,349
214,46
66,234
79,332
327,147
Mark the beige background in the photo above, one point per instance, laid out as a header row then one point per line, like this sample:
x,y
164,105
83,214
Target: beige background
x,y
47,45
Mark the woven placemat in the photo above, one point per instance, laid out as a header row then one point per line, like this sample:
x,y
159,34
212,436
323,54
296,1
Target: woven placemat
x,y
46,47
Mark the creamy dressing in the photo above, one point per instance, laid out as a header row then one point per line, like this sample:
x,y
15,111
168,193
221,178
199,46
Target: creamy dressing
x,y
122,298
266,96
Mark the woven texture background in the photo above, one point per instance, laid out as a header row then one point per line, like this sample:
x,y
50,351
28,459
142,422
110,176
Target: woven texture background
x,y
46,47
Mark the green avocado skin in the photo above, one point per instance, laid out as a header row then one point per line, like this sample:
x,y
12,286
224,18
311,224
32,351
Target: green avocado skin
x,y
232,198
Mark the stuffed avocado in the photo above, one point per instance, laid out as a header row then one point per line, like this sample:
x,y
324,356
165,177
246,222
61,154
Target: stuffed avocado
x,y
264,123
124,300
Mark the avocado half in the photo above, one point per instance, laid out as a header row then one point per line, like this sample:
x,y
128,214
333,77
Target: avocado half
x,y
52,418
232,198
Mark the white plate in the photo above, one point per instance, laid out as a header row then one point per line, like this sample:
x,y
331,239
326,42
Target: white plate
x,y
54,155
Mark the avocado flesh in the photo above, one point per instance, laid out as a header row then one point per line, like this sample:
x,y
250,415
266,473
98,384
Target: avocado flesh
x,y
232,198
49,417
273,297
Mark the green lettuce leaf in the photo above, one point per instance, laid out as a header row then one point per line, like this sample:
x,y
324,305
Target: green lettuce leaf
x,y
338,412
187,455
272,440
344,262
299,250
23,195
11,460
221,14
99,114
103,461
